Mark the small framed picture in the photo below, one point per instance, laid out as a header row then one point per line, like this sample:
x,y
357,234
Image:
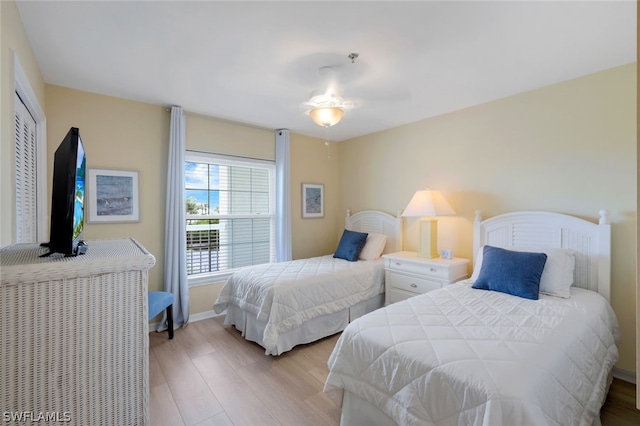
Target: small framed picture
x,y
312,200
113,196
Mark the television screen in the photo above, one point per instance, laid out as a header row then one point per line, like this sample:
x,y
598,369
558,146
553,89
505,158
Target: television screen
x,y
78,209
67,199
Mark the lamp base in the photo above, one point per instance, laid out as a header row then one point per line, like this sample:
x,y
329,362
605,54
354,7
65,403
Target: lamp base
x,y
428,238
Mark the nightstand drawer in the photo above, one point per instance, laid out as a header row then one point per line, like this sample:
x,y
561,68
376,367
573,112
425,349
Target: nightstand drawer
x,y
408,274
412,284
432,270
394,295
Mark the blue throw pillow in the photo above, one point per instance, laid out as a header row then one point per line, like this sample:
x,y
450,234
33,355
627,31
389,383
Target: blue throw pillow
x,y
350,245
512,272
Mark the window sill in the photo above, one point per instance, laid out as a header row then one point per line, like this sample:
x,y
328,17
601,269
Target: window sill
x,y
208,279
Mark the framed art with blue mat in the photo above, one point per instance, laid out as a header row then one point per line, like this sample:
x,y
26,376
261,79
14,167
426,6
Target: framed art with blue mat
x,y
312,200
113,196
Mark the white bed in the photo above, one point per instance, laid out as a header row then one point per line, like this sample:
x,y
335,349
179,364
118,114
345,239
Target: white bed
x,y
459,355
281,305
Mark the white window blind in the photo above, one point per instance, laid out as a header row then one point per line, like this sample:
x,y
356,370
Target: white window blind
x,y
230,212
26,175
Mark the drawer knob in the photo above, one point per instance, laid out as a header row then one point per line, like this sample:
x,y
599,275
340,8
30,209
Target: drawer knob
x,y
432,269
398,263
414,285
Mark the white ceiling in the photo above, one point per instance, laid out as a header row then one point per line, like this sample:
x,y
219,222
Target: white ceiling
x,y
256,62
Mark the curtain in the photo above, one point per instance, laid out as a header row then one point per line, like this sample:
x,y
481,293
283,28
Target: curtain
x,y
283,197
175,243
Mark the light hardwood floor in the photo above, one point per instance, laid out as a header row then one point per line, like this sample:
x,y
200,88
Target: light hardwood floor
x,y
209,375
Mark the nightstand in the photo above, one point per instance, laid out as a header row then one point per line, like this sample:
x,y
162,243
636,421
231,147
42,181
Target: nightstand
x,y
407,274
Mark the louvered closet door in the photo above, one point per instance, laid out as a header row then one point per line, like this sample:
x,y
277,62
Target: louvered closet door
x,y
26,211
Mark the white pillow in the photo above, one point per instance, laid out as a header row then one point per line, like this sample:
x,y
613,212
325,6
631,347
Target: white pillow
x,y
557,276
374,246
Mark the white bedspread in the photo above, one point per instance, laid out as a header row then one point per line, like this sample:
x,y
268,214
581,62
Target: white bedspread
x,y
459,356
286,294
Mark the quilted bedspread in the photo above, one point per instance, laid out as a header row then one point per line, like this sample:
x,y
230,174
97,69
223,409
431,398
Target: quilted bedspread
x,y
284,295
460,356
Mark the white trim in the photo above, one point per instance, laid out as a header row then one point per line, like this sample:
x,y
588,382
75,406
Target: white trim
x,y
22,87
153,326
624,375
204,315
198,280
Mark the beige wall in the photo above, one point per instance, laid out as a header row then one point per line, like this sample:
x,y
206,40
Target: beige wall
x,y
126,135
123,135
569,148
217,136
311,162
637,222
13,39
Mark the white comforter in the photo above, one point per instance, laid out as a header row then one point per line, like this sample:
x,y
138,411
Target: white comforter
x,y
459,356
284,295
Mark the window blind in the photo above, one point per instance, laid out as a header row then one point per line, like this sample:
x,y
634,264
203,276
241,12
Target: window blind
x,y
230,212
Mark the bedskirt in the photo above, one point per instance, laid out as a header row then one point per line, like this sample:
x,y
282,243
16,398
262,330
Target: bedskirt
x,y
252,328
358,412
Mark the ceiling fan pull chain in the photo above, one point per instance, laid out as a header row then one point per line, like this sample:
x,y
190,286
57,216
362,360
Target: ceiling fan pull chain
x,y
326,141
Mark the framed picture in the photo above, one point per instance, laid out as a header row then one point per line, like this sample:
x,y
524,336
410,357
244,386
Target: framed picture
x,y
312,200
113,196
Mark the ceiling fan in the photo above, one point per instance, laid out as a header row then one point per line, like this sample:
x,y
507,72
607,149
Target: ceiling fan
x,y
326,106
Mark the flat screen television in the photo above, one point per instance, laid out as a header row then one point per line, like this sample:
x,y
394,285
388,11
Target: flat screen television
x,y
67,200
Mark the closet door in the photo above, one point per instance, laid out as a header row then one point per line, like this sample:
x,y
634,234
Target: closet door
x,y
25,174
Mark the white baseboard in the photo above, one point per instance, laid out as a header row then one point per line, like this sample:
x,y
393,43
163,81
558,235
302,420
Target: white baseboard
x,y
153,326
203,315
625,375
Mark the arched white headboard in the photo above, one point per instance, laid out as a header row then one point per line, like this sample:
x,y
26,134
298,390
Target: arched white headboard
x,y
590,241
378,222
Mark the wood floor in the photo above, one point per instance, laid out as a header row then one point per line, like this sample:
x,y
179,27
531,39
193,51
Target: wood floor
x,y
209,375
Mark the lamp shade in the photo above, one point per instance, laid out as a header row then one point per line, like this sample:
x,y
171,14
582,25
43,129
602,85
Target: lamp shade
x,y
428,203
326,115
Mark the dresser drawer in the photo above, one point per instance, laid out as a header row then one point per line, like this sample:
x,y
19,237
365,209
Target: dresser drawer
x,y
432,270
411,284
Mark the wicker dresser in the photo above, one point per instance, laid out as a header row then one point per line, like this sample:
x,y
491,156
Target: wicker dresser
x,y
74,335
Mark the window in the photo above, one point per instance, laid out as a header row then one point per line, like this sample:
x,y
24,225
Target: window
x,y
230,213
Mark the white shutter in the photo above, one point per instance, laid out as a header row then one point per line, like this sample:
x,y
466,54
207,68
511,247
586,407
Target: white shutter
x,y
26,178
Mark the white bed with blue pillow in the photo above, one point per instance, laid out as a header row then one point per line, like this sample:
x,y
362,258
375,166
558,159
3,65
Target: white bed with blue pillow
x,y
533,343
281,305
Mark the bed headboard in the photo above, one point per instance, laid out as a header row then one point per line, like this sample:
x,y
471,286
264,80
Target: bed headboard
x,y
536,229
378,222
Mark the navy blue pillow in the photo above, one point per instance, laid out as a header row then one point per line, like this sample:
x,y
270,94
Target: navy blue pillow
x,y
512,272
350,245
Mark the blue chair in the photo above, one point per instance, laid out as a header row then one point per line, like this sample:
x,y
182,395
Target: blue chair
x,y
158,301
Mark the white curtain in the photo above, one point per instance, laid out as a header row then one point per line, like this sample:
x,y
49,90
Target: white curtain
x,y
283,197
175,243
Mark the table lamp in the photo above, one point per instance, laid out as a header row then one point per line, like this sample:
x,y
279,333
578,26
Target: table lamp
x,y
428,204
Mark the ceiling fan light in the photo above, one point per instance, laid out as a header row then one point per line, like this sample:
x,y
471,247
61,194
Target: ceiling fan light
x,y
327,115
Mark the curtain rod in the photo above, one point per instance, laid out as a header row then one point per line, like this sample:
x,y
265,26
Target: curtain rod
x,y
196,151
224,120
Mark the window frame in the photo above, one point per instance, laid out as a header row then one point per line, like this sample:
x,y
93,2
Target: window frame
x,y
236,161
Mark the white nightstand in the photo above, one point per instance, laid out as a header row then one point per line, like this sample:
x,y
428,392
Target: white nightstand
x,y
407,274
